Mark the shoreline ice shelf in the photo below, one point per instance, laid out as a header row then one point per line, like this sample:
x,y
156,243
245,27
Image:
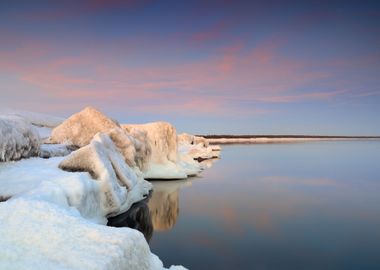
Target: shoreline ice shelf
x,y
68,176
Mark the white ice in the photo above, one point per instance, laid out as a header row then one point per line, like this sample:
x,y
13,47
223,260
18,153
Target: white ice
x,y
18,138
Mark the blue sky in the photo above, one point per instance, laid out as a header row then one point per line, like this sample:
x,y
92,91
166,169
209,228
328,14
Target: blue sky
x,y
279,67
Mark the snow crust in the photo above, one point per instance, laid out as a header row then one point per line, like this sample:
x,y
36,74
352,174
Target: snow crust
x,y
18,138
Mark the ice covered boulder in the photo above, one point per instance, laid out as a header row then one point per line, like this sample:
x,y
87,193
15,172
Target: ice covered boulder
x,y
18,138
162,139
79,128
104,162
133,146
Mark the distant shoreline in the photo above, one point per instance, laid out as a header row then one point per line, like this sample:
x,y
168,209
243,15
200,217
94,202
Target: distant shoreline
x,y
262,139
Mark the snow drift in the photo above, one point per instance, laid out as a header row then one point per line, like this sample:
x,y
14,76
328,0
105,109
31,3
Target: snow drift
x,y
18,138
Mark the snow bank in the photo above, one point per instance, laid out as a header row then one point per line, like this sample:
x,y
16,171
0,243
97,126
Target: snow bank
x,y
37,234
79,128
18,138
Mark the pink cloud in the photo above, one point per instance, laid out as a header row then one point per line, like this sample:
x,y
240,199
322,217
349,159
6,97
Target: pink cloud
x,y
209,85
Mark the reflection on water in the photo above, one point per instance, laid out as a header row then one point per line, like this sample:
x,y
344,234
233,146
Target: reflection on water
x,y
288,206
137,217
158,212
164,203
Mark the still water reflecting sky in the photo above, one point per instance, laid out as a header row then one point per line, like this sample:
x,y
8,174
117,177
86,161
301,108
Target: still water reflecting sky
x,y
271,206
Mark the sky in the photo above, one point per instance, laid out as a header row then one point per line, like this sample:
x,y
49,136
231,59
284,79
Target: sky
x,y
208,67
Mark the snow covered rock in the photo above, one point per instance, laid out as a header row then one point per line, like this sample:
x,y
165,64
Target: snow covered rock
x,y
79,128
18,138
133,146
103,161
162,139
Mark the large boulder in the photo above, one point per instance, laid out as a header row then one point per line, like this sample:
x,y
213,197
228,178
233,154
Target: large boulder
x,y
18,138
80,128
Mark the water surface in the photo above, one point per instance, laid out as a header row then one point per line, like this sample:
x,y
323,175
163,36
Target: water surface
x,y
273,206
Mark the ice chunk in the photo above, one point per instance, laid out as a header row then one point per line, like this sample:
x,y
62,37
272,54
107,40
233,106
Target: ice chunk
x,y
104,162
18,138
162,139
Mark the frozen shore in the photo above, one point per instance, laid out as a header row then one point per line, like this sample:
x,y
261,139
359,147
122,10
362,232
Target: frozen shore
x,y
60,179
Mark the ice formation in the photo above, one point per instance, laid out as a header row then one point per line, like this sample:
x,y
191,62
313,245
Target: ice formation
x,y
79,128
51,218
18,138
162,139
55,150
105,163
197,147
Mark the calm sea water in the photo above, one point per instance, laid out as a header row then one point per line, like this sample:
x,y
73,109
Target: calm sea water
x,y
272,206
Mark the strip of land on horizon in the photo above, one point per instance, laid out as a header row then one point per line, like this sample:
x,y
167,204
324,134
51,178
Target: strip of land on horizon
x,y
253,139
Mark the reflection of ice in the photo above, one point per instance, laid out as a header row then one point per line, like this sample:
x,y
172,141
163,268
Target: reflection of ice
x,y
207,163
137,217
164,203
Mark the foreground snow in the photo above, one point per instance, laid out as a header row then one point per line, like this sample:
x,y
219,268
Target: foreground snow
x,y
53,221
36,234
